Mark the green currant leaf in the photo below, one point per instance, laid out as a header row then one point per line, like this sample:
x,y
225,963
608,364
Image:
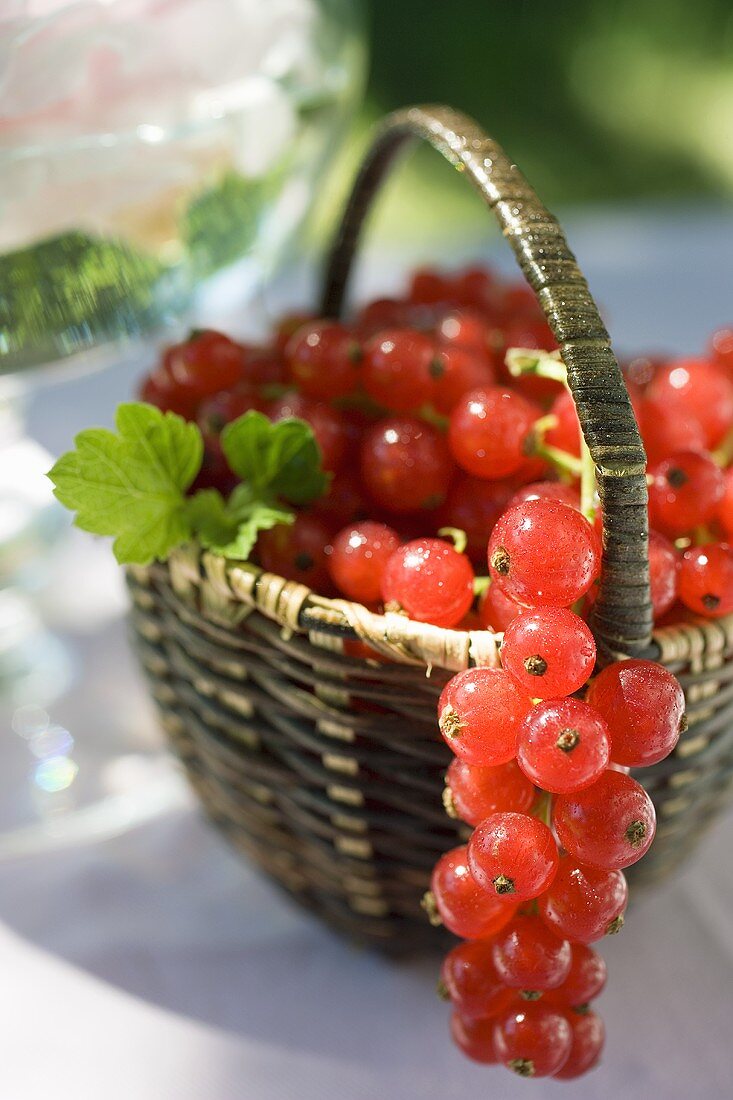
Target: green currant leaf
x,y
131,484
230,528
276,460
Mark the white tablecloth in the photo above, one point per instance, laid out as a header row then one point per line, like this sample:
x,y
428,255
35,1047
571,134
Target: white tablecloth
x,y
154,965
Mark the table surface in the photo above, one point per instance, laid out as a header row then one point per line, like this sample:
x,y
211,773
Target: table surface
x,y
150,963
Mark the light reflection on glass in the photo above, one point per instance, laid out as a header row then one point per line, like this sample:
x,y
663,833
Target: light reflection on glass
x,y
56,773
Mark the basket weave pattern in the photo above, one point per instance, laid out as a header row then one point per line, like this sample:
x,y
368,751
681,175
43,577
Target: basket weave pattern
x,y
327,769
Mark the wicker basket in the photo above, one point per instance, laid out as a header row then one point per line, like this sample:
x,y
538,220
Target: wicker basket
x,y
327,770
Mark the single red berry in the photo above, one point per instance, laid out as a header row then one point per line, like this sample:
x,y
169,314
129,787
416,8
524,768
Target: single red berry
x,y
550,652
430,581
496,609
664,570
527,955
587,1039
467,328
490,431
701,388
584,903
533,1041
667,429
479,713
725,508
287,326
160,390
706,579
470,979
473,506
644,708
464,907
399,370
475,287
297,552
563,745
324,360
513,854
456,370
428,286
566,434
473,793
383,313
543,552
586,979
358,557
474,1038
546,490
327,424
721,348
405,465
206,363
345,502
264,367
685,491
609,825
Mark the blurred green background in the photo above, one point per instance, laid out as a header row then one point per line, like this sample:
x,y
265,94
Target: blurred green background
x,y
597,100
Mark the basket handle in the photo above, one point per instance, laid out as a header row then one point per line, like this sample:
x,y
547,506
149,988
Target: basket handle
x,y
622,616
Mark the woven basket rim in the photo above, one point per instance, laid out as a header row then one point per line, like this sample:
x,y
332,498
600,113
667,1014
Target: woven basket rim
x,y
229,590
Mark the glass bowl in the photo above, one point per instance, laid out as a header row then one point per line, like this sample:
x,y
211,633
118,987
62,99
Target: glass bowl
x,y
173,141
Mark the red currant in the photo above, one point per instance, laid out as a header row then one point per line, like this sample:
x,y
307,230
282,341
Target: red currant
x,y
474,793
399,370
585,980
205,363
465,908
160,390
544,552
497,610
264,367
563,745
566,434
466,328
527,955
289,324
584,903
700,388
216,412
474,1038
345,502
324,360
588,1037
490,431
470,978
721,349
430,581
685,491
479,714
549,652
643,705
297,552
428,287
666,429
455,371
473,506
609,825
533,1041
664,569
546,490
513,854
405,465
706,579
725,508
358,558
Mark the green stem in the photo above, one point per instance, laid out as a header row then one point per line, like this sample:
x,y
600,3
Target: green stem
x,y
542,364
561,460
457,536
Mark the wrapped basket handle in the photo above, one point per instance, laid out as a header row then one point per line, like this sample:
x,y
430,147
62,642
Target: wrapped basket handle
x,y
622,616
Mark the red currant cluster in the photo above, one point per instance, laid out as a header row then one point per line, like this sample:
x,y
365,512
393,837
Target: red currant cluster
x,y
543,779
425,430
